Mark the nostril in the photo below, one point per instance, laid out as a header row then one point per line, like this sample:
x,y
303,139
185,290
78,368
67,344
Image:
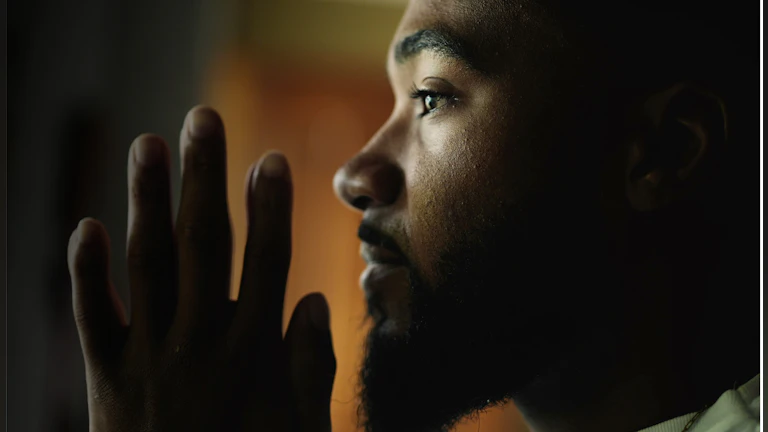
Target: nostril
x,y
362,202
368,180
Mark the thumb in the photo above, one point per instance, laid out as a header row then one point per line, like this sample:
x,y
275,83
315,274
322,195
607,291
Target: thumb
x,y
312,362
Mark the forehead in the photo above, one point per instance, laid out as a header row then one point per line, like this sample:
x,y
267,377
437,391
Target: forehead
x,y
468,16
497,34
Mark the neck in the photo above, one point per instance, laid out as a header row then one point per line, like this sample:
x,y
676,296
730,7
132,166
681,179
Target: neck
x,y
606,389
669,363
631,405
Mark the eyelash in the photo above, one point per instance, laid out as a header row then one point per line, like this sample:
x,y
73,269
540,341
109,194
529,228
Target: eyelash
x,y
417,93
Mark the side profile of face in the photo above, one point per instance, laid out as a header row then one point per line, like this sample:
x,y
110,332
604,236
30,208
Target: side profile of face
x,y
492,213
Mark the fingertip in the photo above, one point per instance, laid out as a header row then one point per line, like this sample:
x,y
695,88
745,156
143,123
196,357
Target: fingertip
x,y
274,164
87,241
271,183
202,121
150,150
202,144
92,232
319,312
312,309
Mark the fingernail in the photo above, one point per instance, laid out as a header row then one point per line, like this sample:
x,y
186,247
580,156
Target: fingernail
x,y
274,165
318,312
202,123
149,151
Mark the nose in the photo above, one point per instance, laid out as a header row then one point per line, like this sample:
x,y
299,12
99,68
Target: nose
x,y
368,180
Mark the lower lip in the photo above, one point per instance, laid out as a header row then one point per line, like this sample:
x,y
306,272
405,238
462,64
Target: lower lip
x,y
383,276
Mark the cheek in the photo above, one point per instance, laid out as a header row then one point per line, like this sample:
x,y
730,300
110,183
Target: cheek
x,y
455,187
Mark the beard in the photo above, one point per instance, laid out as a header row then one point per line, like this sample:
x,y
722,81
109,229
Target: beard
x,y
494,322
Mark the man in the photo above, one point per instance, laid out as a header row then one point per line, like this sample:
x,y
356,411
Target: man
x,y
550,216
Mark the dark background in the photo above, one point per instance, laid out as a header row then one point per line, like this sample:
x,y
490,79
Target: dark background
x,y
86,76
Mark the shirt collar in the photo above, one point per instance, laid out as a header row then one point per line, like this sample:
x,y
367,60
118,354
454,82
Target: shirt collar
x,y
733,408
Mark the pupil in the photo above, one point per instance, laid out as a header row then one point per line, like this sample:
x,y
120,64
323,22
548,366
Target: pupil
x,y
431,102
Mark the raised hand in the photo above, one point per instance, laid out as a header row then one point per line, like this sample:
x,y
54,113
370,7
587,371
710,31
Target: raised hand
x,y
190,359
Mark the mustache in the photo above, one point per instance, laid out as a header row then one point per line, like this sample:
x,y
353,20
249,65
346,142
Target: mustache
x,y
368,233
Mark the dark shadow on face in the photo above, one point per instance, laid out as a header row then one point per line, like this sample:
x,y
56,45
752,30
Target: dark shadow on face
x,y
479,335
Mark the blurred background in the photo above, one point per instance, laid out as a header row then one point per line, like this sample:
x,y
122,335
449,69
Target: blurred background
x,y
305,77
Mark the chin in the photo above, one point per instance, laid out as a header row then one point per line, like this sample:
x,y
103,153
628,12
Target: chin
x,y
388,294
430,362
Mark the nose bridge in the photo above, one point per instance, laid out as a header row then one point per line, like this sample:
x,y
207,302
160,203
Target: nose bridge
x,y
389,139
373,176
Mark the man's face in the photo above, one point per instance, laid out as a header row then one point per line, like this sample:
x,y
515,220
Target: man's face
x,y
482,213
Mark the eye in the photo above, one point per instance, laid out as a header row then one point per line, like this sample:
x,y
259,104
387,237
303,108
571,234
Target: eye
x,y
431,101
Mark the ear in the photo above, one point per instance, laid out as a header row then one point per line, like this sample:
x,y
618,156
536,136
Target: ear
x,y
686,126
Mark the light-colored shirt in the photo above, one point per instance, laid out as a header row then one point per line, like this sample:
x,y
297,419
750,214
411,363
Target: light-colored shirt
x,y
735,411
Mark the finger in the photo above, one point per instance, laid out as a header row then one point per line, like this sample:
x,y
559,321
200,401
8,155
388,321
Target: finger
x,y
150,246
97,308
203,229
267,251
312,362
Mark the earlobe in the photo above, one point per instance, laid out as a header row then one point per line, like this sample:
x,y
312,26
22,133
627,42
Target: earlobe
x,y
685,127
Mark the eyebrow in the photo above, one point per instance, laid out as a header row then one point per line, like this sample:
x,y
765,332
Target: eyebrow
x,y
436,41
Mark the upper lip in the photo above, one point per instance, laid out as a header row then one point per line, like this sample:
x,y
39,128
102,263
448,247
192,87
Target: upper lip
x,y
377,247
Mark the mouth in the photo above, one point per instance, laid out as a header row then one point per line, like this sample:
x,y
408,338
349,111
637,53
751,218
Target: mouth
x,y
376,255
378,248
386,279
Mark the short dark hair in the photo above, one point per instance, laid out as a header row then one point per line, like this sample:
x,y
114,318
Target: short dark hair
x,y
714,44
